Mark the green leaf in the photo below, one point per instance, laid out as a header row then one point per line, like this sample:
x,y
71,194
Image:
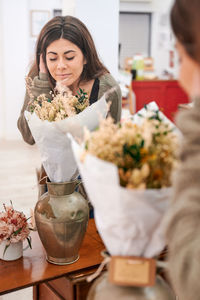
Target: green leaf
x,y
81,99
133,151
140,115
6,247
17,231
77,110
156,116
142,144
29,242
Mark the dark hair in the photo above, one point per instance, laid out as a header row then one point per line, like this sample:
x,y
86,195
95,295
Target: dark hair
x,y
185,21
75,31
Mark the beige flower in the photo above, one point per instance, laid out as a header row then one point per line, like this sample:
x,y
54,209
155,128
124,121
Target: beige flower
x,y
58,105
145,154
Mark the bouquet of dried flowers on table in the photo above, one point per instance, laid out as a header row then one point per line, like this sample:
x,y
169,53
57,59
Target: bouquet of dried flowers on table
x,y
51,117
127,170
13,227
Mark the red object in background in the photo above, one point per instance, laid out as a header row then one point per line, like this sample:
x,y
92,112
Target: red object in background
x,y
166,93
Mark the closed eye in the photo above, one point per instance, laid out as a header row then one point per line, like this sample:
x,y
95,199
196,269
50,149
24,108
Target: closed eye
x,y
69,58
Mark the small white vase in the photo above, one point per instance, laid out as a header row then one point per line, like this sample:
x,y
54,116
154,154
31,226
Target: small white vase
x,y
13,252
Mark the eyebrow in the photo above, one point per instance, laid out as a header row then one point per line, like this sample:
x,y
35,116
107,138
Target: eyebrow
x,y
66,52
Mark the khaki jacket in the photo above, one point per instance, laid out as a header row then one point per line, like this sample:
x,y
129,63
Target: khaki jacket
x,y
183,234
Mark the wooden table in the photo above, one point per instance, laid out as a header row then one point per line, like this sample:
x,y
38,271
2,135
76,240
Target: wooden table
x,y
33,270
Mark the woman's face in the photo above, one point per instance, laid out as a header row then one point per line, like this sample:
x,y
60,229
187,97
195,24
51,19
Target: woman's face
x,y
189,72
65,62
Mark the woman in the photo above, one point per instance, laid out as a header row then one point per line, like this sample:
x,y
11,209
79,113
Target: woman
x,y
183,232
66,52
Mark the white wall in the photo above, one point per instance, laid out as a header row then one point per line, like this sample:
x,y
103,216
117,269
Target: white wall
x,y
2,98
153,6
102,19
159,9
45,4
161,38
41,5
15,47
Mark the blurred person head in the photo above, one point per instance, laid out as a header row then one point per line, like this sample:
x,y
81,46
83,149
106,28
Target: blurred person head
x,y
185,21
68,52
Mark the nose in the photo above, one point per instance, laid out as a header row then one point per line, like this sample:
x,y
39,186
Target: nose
x,y
61,64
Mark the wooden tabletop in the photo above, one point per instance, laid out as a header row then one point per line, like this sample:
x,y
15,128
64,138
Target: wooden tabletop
x,y
33,268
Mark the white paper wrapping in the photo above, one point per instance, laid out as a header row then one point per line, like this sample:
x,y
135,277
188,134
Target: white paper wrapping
x,y
152,106
55,148
129,221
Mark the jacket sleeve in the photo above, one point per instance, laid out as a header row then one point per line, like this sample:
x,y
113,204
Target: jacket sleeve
x,y
183,233
40,86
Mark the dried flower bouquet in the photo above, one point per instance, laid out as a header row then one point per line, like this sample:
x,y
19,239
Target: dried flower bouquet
x,y
51,118
59,105
126,170
145,154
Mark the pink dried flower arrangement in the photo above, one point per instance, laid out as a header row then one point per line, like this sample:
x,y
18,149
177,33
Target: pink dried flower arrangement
x,y
13,226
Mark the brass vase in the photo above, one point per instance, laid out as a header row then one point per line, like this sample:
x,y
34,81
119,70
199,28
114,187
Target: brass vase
x,y
61,216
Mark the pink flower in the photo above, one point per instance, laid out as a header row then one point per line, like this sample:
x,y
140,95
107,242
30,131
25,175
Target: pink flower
x,y
13,225
5,231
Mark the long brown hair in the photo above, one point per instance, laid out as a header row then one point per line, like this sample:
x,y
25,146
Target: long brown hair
x,y
75,31
185,21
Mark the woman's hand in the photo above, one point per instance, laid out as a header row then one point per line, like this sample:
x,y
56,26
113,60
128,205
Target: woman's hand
x,y
42,65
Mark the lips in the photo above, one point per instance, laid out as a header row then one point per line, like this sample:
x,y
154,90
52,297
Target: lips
x,y
63,75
